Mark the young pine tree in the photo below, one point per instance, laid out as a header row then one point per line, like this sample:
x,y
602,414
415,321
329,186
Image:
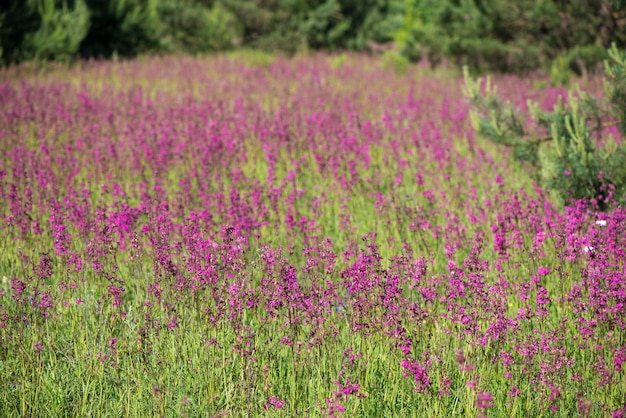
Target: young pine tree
x,y
577,159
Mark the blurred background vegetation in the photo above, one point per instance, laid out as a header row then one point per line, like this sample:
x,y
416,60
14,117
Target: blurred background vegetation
x,y
488,35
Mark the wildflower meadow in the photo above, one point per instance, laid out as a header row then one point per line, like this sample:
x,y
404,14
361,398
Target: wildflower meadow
x,y
249,235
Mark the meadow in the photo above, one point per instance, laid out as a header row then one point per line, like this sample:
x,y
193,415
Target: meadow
x,y
248,235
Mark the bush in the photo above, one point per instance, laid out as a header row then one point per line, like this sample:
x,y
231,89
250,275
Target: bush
x,y
512,36
194,28
61,31
290,25
351,24
577,159
42,29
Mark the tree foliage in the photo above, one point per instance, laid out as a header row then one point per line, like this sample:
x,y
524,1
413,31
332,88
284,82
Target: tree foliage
x,y
504,36
196,28
100,28
565,37
42,29
316,24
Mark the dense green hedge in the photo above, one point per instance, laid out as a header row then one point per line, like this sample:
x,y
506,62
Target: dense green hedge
x,y
485,34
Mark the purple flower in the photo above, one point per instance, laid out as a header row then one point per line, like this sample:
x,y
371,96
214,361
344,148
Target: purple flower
x,y
173,323
543,271
484,400
274,402
419,373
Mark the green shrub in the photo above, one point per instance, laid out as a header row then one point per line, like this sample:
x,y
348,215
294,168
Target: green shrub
x,y
291,25
511,36
266,25
194,28
61,31
351,24
398,62
560,71
42,29
577,160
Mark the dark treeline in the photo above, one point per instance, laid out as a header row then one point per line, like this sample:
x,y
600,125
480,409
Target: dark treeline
x,y
486,34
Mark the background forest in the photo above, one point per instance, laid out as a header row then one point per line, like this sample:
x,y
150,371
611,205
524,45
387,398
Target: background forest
x,y
495,35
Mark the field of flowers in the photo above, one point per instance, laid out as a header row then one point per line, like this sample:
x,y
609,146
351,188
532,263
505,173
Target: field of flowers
x,y
321,236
